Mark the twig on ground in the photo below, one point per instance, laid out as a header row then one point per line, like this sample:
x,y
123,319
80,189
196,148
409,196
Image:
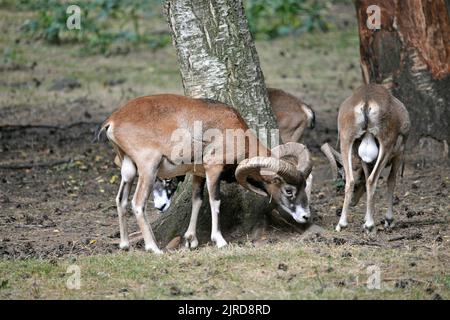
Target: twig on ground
x,y
407,224
133,238
397,238
363,243
408,279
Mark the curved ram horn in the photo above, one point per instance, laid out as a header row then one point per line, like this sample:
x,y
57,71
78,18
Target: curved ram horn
x,y
299,153
252,168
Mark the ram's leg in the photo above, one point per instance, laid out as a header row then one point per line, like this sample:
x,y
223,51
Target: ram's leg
x,y
371,185
128,172
147,175
190,237
346,151
360,186
213,184
121,212
389,219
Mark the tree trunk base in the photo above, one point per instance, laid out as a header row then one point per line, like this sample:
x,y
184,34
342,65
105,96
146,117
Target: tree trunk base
x,y
243,214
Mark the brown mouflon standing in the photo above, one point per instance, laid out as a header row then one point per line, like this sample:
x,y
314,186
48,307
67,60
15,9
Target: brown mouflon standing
x,y
374,126
142,133
293,117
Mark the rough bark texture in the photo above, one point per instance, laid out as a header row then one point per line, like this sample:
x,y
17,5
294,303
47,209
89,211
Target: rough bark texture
x,y
411,54
218,60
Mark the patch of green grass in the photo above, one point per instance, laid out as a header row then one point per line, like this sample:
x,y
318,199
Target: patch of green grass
x,y
314,66
288,270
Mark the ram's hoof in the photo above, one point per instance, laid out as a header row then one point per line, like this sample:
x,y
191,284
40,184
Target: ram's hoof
x,y
190,240
191,244
369,228
221,244
219,240
125,245
341,225
389,223
153,249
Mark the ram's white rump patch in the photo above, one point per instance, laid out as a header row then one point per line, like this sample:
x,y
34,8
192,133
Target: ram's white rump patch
x,y
309,114
374,111
359,113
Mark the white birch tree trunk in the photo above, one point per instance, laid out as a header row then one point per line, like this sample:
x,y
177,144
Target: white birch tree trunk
x,y
218,60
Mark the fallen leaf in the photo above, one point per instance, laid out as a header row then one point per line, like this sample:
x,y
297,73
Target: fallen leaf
x,y
174,243
114,179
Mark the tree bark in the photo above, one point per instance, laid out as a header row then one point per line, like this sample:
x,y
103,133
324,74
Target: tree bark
x,y
411,55
218,60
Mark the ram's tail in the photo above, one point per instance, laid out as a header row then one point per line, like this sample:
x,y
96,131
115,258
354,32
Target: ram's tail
x,y
99,134
311,116
365,112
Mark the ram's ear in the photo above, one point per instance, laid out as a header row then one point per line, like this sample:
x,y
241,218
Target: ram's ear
x,y
276,180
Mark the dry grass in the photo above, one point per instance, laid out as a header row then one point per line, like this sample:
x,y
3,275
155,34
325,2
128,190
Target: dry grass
x,y
291,269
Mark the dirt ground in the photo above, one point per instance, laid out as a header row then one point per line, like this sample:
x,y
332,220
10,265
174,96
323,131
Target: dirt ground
x,y
57,188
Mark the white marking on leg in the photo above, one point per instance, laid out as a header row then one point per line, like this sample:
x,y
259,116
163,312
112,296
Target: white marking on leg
x,y
368,219
371,185
216,235
369,222
145,183
390,211
389,219
191,234
349,185
377,164
147,234
122,211
128,172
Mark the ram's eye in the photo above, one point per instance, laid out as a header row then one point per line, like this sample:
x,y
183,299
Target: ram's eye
x,y
289,192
